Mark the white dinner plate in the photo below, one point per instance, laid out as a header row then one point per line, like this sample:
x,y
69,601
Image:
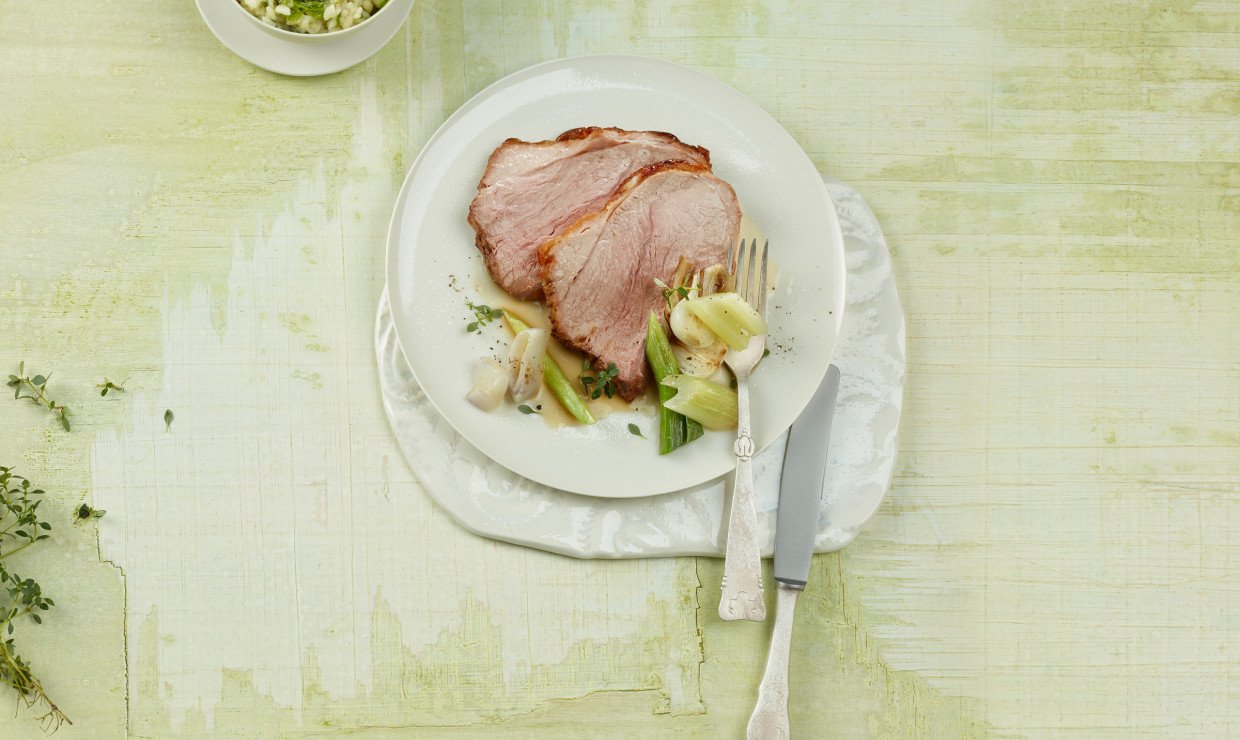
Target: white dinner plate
x,y
433,267
321,55
486,498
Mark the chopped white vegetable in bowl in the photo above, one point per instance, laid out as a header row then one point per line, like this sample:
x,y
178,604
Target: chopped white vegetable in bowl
x,y
311,17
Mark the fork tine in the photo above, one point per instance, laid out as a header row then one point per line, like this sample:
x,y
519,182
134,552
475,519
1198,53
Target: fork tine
x,y
740,269
761,284
731,258
751,285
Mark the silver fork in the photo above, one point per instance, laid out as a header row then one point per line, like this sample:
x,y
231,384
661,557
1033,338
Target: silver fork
x,y
742,560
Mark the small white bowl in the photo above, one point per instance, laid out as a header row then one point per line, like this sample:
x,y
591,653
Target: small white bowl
x,y
301,54
315,38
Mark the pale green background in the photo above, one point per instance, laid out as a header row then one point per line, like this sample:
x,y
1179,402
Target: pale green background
x,y
1060,552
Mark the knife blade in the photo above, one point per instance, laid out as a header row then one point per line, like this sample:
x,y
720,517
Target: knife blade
x,y
800,487
800,497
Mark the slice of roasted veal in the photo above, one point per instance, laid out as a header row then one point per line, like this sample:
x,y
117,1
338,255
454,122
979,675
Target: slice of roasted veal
x,y
599,275
532,191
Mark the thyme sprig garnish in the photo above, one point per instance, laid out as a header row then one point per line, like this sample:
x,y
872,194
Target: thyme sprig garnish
x,y
35,389
21,527
483,315
602,383
682,291
668,291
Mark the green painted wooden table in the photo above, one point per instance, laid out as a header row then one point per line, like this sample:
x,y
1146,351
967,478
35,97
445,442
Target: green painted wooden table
x,y
1060,552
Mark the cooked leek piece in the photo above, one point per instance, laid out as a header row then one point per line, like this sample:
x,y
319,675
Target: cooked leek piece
x,y
555,378
674,429
711,404
729,317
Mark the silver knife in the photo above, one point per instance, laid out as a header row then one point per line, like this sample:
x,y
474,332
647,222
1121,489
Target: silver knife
x,y
800,493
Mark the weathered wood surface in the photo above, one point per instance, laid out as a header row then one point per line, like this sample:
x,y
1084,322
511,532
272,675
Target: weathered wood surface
x,y
1060,553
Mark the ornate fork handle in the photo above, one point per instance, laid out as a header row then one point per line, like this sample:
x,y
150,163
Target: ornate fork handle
x,y
769,720
742,563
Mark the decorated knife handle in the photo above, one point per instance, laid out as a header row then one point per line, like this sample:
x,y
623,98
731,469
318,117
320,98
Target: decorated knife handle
x,y
770,716
741,596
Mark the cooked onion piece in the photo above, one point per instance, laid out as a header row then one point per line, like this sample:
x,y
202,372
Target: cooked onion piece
x,y
490,382
525,363
712,280
700,363
698,350
689,329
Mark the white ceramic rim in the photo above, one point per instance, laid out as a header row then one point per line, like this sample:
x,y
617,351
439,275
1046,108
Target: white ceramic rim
x,y
833,243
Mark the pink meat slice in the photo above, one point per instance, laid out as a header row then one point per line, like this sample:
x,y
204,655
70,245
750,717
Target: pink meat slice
x,y
532,191
599,276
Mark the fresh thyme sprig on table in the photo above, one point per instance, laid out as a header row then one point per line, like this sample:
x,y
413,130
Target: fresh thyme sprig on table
x,y
604,382
36,387
21,527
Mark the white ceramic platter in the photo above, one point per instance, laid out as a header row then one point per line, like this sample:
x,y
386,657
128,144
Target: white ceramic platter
x,y
433,267
301,57
492,501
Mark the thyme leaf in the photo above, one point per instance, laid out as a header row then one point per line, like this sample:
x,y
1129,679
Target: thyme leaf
x,y
86,511
106,386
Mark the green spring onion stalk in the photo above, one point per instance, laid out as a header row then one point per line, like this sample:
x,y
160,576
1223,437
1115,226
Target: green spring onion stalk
x,y
674,429
709,403
555,378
